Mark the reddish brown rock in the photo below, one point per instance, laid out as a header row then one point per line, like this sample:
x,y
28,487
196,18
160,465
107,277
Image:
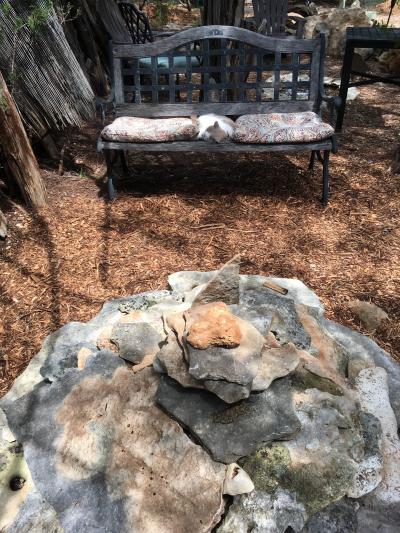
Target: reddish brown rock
x,y
212,325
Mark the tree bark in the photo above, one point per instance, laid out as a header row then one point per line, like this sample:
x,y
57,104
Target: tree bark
x,y
225,12
18,152
3,226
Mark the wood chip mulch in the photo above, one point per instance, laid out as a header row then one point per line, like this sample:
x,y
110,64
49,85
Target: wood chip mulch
x,y
194,212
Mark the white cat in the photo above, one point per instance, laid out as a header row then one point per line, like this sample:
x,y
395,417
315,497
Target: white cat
x,y
215,127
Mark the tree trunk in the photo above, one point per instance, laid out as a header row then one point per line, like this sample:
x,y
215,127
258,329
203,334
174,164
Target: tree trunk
x,y
18,152
3,226
396,160
225,12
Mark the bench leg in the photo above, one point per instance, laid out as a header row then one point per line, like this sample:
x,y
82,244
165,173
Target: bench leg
x,y
110,159
124,162
312,160
325,178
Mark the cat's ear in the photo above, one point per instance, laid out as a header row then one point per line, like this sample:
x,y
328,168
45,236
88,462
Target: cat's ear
x,y
194,119
216,124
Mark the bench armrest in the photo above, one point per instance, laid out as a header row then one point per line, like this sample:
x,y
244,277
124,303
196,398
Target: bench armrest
x,y
333,103
300,24
161,34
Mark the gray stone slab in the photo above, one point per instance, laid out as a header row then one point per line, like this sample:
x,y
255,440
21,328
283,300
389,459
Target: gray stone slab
x,y
234,431
35,516
186,281
104,456
62,358
261,322
112,310
83,505
286,322
76,332
135,340
297,290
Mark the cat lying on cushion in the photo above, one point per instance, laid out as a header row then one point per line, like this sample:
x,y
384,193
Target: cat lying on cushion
x,y
214,127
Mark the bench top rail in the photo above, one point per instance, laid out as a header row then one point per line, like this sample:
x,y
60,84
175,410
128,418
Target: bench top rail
x,y
220,69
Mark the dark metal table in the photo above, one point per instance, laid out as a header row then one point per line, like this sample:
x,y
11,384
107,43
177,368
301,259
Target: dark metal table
x,y
373,37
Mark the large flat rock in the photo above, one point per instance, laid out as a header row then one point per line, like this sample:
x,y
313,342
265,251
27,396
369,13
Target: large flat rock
x,y
230,432
106,458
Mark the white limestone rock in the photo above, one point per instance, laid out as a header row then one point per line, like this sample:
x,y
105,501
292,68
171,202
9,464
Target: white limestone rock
x,y
372,385
237,481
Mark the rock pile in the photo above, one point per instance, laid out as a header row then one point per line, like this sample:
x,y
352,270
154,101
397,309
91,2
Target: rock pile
x,y
334,23
219,405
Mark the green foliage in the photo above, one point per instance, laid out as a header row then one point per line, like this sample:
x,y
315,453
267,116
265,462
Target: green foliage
x,y
39,15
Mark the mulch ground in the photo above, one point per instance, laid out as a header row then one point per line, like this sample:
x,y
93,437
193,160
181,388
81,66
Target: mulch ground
x,y
194,212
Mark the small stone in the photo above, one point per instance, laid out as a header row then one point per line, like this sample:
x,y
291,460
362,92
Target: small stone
x,y
224,286
104,342
170,360
16,483
135,341
371,316
229,392
356,365
237,481
213,325
83,356
146,361
275,363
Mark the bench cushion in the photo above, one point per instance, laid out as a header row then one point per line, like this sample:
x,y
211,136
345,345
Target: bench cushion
x,y
148,130
276,128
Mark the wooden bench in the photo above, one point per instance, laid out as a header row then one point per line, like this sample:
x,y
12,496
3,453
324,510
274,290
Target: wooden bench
x,y
239,72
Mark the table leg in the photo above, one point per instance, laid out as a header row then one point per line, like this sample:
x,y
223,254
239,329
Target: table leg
x,y
344,83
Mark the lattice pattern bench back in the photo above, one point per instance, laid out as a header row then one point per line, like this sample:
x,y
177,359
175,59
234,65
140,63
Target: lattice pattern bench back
x,y
218,69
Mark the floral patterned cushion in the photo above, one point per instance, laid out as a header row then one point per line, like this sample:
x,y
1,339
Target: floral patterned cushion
x,y
149,130
281,128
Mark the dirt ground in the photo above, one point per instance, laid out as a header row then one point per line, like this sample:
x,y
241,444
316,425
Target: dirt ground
x,y
194,212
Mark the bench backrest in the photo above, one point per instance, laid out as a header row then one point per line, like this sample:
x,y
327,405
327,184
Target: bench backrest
x,y
218,69
137,23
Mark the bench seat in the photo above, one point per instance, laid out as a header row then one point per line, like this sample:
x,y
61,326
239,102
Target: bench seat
x,y
197,145
269,128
